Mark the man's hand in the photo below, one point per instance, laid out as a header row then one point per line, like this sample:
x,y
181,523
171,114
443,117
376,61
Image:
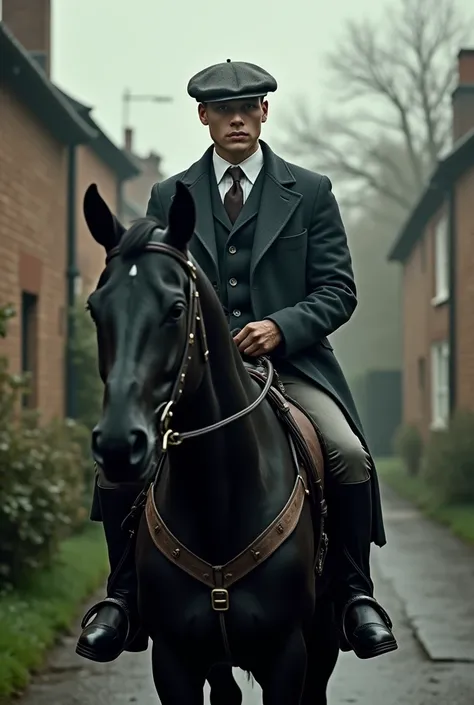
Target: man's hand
x,y
258,338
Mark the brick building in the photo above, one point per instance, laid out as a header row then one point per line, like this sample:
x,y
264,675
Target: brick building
x,y
110,167
51,149
38,131
136,192
436,250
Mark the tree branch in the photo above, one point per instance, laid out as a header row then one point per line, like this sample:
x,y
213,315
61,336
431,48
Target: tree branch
x,y
409,68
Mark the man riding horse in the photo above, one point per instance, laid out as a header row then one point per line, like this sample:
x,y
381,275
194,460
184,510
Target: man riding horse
x,y
256,211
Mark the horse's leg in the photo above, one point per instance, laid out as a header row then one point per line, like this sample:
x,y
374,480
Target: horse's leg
x,y
323,652
224,689
179,680
281,674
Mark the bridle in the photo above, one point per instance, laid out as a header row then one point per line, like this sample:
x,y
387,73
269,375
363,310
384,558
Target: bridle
x,y
194,328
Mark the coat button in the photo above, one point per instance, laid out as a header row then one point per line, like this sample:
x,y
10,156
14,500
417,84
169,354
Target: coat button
x,y
236,312
232,249
233,281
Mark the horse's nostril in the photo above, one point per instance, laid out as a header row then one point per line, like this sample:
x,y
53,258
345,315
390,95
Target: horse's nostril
x,y
138,446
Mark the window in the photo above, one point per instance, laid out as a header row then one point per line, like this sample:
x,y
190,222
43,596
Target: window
x,y
29,345
439,385
441,261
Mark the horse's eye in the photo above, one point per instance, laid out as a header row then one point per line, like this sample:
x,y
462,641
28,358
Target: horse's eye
x,y
176,312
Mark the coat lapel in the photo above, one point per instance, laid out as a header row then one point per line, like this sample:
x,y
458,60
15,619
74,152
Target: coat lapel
x,y
277,205
197,179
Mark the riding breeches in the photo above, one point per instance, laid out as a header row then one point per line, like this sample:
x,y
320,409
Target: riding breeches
x,y
349,462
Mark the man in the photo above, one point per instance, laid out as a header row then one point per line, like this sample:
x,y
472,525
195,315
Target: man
x,y
270,238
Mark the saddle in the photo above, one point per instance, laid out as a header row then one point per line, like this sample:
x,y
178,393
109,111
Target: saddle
x,y
306,436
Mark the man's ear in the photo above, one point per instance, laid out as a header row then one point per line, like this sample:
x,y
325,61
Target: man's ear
x,y
202,112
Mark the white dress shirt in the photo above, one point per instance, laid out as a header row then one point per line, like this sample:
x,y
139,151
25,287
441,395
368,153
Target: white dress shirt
x,y
250,166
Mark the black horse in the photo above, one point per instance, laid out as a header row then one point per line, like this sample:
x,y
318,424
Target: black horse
x,y
177,390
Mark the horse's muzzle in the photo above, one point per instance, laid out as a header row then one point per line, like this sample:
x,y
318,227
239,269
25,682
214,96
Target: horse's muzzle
x,y
123,457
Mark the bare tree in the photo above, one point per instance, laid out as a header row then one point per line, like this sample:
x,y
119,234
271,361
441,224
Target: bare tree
x,y
394,81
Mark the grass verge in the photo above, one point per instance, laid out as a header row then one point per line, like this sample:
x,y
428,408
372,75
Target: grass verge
x,y
31,618
458,518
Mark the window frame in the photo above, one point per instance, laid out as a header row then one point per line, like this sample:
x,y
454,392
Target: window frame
x,y
441,261
440,387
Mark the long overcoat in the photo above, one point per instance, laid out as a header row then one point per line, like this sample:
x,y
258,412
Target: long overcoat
x,y
300,270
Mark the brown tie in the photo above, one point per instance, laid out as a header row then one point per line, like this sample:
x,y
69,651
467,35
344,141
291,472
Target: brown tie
x,y
234,198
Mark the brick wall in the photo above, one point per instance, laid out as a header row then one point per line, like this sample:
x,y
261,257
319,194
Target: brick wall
x,y
30,22
464,214
33,193
424,324
91,257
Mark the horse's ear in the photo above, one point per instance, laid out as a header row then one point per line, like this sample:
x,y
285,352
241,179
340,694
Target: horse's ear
x,y
105,228
181,218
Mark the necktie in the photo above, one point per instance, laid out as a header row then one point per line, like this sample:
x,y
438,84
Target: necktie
x,y
234,198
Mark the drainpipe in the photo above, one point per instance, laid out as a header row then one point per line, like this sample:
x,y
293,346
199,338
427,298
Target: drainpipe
x,y
452,300
120,200
72,273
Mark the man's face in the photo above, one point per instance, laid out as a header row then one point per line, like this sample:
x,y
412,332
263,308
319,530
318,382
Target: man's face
x,y
235,126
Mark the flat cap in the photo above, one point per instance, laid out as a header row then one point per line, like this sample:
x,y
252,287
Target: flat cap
x,y
229,81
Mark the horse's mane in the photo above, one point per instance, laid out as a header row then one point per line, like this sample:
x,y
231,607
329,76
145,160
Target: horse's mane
x,y
138,236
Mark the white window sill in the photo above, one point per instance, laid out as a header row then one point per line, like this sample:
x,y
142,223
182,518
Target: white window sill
x,y
439,425
440,299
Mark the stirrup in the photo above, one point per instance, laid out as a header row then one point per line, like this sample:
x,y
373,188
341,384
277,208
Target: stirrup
x,y
103,603
363,599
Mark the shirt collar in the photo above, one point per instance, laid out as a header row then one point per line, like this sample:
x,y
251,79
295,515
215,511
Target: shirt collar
x,y
250,166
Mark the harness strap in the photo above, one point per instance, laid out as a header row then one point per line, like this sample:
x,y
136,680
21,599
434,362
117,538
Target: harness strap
x,y
256,553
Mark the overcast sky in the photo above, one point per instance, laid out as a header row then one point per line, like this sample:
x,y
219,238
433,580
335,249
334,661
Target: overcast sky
x,y
101,47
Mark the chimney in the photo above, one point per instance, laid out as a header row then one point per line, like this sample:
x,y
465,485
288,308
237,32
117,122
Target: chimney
x,y
128,139
30,22
463,95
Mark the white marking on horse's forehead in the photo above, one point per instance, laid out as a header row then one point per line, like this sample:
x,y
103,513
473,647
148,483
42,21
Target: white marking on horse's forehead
x,y
133,271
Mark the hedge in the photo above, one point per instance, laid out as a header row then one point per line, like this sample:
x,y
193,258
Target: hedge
x,y
31,617
49,562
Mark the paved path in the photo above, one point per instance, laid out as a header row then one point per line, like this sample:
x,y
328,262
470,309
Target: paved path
x,y
420,575
433,574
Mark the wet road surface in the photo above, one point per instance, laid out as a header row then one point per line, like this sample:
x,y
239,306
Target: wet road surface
x,y
433,619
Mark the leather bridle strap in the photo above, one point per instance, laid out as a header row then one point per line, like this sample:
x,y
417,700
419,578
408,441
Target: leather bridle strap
x,y
194,320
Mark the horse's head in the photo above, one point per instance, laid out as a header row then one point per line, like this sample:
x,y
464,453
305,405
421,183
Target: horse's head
x,y
146,311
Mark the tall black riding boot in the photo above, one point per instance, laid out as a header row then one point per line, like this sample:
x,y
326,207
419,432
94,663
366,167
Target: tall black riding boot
x,y
115,626
365,625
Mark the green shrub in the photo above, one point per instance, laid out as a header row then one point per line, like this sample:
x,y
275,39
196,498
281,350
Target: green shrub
x,y
43,471
409,447
6,312
448,465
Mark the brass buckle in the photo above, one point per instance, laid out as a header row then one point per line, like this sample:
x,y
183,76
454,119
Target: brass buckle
x,y
220,599
171,438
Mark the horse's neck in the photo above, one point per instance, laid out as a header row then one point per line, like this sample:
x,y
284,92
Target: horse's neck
x,y
211,478
220,453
